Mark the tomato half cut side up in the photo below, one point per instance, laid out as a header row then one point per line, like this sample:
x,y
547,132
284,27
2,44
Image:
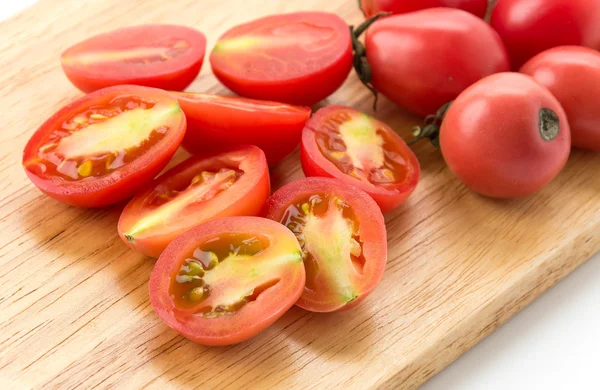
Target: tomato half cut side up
x,y
343,238
297,58
103,147
222,121
346,144
233,182
159,56
226,280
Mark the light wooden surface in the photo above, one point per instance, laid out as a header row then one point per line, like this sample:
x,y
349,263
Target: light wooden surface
x,y
74,308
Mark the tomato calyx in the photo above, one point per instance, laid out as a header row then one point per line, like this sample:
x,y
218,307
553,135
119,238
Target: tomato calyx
x,y
549,124
431,127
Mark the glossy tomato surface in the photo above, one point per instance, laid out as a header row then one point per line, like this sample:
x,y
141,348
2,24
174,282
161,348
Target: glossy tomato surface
x,y
425,59
529,27
105,146
346,144
226,280
297,58
372,7
506,136
572,74
218,121
343,238
233,182
159,56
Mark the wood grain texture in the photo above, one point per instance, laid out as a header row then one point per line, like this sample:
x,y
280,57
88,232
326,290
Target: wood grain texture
x,y
74,308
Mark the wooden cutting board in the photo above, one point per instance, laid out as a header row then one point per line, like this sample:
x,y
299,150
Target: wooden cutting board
x,y
74,308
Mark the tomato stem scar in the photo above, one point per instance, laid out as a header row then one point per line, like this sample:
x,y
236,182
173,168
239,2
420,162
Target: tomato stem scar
x,y
549,124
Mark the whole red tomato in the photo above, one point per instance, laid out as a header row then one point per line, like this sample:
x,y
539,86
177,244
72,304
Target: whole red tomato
x,y
506,136
424,59
529,27
572,74
372,7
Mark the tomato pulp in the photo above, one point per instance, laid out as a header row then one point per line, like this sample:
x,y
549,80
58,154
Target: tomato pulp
x,y
160,56
373,7
572,74
105,146
218,121
205,187
226,280
297,58
343,238
349,145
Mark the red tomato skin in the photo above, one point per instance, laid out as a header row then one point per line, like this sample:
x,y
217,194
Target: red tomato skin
x,y
305,90
372,7
529,27
174,77
425,59
314,164
572,74
220,331
247,201
491,141
216,121
122,183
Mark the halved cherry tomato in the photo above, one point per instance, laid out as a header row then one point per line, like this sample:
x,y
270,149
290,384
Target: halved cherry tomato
x,y
160,56
506,136
226,280
105,146
529,27
373,7
227,120
425,59
298,58
205,187
572,74
349,145
342,234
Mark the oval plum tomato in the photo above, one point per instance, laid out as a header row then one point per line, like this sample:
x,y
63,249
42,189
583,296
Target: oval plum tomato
x,y
373,7
344,143
226,280
105,146
424,59
506,136
342,234
298,58
529,27
205,187
160,56
572,74
226,120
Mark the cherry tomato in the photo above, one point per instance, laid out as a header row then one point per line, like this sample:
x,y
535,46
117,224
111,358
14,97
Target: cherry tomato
x,y
425,59
103,147
372,7
205,187
226,280
160,56
298,58
529,27
572,74
346,144
342,234
226,120
506,136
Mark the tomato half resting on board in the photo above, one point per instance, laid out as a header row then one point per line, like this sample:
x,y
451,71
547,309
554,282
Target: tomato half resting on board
x,y
226,280
373,7
342,234
105,146
349,145
218,121
572,74
205,187
160,56
298,58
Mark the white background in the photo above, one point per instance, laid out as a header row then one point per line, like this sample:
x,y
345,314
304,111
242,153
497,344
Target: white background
x,y
552,344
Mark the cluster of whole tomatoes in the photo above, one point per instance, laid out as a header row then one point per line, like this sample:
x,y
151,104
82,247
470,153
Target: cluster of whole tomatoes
x,y
232,257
